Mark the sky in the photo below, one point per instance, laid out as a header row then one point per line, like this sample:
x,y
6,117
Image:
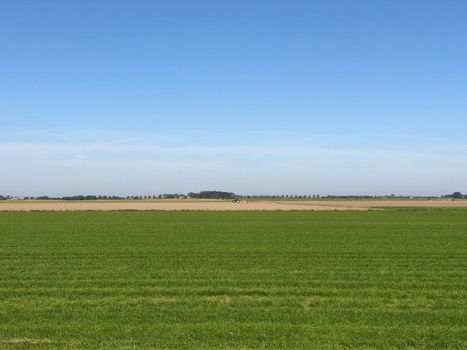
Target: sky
x,y
255,97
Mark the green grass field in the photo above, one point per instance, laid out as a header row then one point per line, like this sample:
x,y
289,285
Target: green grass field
x,y
234,280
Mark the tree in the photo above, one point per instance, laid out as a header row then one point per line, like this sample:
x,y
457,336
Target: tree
x,y
212,195
457,195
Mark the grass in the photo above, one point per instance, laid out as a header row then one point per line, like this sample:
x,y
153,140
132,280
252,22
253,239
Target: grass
x,y
234,280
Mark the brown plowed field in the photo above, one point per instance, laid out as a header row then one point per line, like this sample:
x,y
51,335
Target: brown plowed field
x,y
222,205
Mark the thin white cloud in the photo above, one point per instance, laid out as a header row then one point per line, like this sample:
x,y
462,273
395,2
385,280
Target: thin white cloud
x,y
77,161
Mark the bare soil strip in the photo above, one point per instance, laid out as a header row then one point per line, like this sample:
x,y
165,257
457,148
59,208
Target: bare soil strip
x,y
222,205
24,341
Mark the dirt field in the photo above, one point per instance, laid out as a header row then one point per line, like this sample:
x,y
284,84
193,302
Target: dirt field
x,y
223,205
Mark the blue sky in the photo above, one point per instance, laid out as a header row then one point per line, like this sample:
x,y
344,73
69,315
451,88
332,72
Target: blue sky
x,y
294,97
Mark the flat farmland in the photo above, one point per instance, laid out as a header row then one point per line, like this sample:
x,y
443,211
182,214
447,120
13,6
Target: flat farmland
x,y
222,205
234,280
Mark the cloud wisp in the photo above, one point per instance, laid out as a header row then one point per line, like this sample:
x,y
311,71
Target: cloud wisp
x,y
68,162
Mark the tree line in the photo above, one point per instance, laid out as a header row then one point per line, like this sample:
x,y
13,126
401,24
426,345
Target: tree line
x,y
224,195
455,195
196,195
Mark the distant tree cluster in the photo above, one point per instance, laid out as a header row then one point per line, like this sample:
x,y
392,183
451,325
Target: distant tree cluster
x,y
158,196
317,196
280,196
172,196
141,197
200,195
76,198
89,198
455,195
212,195
4,198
